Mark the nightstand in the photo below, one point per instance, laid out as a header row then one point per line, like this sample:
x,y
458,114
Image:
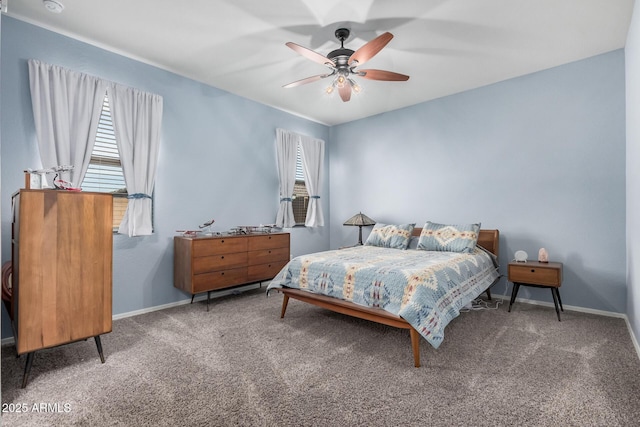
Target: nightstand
x,y
538,275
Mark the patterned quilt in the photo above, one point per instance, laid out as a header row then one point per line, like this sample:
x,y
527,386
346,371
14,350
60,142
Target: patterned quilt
x,y
425,288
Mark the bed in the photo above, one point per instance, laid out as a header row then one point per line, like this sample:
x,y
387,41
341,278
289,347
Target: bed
x,y
417,290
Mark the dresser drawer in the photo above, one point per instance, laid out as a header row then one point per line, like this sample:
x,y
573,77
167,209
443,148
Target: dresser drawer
x,y
268,255
535,275
268,241
205,264
219,279
218,246
265,271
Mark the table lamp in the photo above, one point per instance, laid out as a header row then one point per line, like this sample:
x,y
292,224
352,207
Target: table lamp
x,y
360,220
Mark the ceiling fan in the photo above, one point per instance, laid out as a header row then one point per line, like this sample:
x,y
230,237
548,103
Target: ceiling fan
x,y
343,63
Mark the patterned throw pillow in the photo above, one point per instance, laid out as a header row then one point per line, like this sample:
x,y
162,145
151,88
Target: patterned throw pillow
x,y
449,238
390,236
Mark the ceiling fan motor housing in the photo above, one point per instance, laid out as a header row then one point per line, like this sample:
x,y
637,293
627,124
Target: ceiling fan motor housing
x,y
341,56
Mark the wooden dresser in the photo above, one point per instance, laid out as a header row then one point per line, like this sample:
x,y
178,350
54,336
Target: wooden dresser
x,y
62,267
209,263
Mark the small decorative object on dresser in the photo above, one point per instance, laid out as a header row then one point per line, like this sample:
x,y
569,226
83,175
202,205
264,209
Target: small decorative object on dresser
x,y
206,227
543,256
539,275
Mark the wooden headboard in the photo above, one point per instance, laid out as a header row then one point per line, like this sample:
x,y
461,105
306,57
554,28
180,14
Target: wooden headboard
x,y
488,239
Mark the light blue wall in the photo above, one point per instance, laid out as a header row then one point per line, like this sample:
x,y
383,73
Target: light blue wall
x,y
632,62
539,157
217,158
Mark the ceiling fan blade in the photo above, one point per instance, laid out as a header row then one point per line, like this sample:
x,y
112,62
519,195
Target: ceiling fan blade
x,y
310,54
382,75
345,93
307,80
370,49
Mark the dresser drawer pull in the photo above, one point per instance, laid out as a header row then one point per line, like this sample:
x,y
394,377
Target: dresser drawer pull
x,y
221,241
222,274
269,251
222,257
532,270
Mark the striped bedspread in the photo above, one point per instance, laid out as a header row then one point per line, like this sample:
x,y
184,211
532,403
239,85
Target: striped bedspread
x,y
425,288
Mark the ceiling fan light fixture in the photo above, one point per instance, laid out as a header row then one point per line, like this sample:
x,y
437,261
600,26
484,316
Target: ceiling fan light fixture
x,y
355,86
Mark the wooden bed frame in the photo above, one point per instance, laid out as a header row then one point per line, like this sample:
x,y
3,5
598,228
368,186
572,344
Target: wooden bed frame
x,y
488,239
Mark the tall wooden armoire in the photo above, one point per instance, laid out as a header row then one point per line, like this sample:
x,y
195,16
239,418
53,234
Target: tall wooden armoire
x,y
62,267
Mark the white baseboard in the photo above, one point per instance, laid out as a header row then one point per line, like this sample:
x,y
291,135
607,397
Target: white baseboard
x,y
636,345
633,336
507,298
634,341
201,297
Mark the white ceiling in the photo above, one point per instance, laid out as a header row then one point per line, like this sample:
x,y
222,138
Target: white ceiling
x,y
446,46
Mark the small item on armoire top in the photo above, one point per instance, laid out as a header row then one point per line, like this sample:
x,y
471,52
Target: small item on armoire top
x,y
543,256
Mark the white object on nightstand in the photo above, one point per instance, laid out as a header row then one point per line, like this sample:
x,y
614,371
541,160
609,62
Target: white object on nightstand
x,y
521,256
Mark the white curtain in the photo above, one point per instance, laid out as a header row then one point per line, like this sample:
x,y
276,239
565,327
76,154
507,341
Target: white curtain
x,y
137,117
286,152
312,151
66,109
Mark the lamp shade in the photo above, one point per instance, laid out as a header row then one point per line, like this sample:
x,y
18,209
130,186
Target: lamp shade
x,y
359,219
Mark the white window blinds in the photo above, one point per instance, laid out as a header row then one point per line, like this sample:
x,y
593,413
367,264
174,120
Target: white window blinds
x,y
105,171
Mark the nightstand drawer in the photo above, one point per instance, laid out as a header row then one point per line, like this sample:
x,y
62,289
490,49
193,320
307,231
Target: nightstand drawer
x,y
535,274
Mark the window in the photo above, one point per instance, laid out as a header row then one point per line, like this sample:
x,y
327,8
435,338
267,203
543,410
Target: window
x,y
300,197
105,174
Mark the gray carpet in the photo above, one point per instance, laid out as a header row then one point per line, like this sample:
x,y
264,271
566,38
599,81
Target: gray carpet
x,y
241,365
